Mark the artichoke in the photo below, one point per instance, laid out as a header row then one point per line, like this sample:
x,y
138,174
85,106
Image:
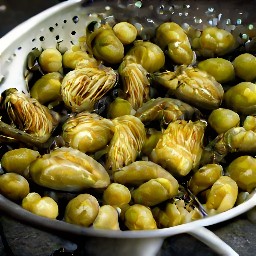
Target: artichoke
x,y
180,148
68,169
135,83
87,132
193,86
165,110
33,123
127,142
171,36
82,88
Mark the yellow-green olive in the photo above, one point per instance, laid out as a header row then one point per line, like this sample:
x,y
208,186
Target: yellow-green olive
x,y
221,69
107,218
18,160
42,206
245,66
82,210
50,60
222,119
14,186
139,217
125,31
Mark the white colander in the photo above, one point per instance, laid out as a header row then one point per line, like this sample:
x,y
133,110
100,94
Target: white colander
x,y
61,26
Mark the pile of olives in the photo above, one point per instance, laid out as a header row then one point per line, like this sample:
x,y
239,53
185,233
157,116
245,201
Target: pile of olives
x,y
121,133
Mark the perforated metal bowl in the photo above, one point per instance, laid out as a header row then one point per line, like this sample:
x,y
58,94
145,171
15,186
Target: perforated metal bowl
x,y
61,26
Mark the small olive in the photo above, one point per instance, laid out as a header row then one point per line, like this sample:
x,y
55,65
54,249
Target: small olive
x,y
222,119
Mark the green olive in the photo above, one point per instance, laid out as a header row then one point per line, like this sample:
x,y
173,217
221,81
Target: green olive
x,y
245,66
107,218
82,210
205,177
154,191
14,186
72,57
222,196
222,119
116,195
139,217
42,206
241,98
47,88
50,60
243,171
216,41
125,32
119,107
18,160
221,69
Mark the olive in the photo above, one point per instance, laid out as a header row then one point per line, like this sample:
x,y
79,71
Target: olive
x,y
42,206
221,69
139,217
82,210
222,119
50,60
14,186
125,32
47,88
18,160
245,66
241,98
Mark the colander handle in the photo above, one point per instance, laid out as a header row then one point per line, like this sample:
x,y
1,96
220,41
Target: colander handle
x,y
214,242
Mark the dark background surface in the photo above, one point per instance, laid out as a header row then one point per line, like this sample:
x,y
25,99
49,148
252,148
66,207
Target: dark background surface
x,y
18,239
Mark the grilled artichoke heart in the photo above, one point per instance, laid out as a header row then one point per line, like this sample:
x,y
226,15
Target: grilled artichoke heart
x,y
135,83
192,86
87,132
82,88
28,116
164,109
180,148
68,169
127,142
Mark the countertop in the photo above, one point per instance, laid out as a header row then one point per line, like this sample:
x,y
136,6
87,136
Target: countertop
x,y
18,239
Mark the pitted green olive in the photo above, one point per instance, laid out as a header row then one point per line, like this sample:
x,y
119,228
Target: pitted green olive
x,y
154,191
107,218
42,206
222,119
139,217
221,69
14,186
18,160
245,66
116,195
243,171
50,60
82,210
